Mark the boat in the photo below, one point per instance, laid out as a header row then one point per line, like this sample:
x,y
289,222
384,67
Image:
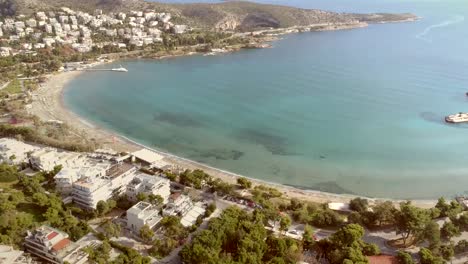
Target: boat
x,y
121,69
457,118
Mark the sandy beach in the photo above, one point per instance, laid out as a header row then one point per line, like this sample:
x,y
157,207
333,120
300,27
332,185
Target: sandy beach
x,y
48,105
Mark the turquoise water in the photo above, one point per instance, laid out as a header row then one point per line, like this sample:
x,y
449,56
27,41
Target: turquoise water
x,y
356,111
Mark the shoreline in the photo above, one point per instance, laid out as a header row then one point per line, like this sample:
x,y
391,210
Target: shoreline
x,y
49,104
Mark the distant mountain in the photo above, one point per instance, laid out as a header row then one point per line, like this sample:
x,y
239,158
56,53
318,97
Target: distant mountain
x,y
233,15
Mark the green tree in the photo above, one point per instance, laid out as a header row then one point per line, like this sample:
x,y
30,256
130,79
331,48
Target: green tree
x,y
426,257
146,234
449,230
447,251
308,240
385,213
344,246
359,205
162,247
461,247
155,199
448,209
41,199
285,223
432,234
371,250
102,208
141,196
244,183
411,221
405,258
111,229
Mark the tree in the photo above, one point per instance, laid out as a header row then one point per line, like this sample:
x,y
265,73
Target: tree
x,y
162,247
146,233
285,222
405,258
359,205
308,240
210,209
41,199
449,230
432,234
155,199
371,250
426,257
111,229
443,206
461,247
385,213
447,251
141,196
244,183
102,208
411,221
447,209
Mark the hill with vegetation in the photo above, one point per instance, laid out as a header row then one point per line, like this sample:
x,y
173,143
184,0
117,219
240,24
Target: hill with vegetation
x,y
229,15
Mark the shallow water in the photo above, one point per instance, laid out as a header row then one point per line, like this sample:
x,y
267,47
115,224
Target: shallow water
x,y
357,111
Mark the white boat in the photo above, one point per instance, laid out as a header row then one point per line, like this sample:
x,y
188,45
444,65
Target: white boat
x,y
121,69
457,118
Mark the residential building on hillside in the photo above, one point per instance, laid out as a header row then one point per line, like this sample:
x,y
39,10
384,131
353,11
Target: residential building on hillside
x,y
54,246
149,184
141,214
88,191
13,151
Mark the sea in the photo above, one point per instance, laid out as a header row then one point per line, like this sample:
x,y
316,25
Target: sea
x,y
356,111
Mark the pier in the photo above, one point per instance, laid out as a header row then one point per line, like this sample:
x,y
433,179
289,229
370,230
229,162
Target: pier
x,y
121,69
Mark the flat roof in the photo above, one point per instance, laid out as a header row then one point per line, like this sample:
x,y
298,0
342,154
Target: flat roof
x,y
147,155
119,169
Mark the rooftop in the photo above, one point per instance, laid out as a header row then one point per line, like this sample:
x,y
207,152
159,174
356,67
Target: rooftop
x,y
147,155
10,255
119,169
382,259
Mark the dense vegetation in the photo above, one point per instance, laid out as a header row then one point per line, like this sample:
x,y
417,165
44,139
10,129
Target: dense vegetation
x,y
27,204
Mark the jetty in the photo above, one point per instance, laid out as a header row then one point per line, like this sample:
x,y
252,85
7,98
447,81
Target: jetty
x,y
120,69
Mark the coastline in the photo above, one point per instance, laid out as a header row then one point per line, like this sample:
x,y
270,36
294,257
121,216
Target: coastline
x,y
48,104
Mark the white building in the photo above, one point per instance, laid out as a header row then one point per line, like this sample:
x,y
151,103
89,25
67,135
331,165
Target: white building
x,y
5,51
9,255
47,158
182,206
88,191
179,29
149,184
66,177
31,23
54,246
14,152
141,214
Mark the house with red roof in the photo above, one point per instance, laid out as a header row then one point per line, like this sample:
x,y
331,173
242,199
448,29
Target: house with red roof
x,y
383,259
54,246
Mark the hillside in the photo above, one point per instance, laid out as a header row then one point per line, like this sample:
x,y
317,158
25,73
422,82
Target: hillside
x,y
230,15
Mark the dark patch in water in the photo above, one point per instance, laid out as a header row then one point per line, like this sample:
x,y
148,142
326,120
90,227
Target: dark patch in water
x,y
330,187
438,119
221,154
177,119
277,145
275,169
